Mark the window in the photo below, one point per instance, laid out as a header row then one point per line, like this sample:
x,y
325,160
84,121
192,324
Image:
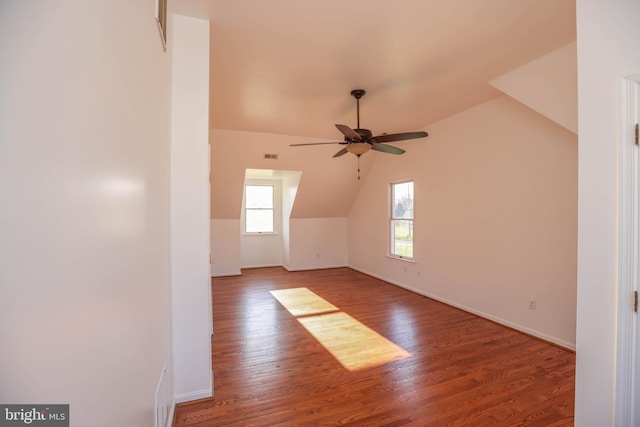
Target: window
x,y
258,200
401,224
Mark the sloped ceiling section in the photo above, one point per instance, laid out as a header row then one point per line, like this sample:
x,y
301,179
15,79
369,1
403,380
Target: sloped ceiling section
x,y
548,85
327,187
287,66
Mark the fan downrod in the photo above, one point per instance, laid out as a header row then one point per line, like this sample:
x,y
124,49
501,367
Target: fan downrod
x,y
357,94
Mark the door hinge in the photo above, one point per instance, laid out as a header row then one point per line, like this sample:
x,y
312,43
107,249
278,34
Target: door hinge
x,y
635,301
637,135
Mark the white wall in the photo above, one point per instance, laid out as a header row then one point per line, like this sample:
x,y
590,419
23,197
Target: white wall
x,y
290,182
318,243
84,163
608,48
263,250
225,247
190,271
495,217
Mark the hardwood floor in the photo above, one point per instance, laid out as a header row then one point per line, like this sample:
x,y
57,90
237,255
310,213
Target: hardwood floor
x,y
457,369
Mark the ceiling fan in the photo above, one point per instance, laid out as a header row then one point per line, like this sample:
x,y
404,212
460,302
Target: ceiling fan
x,y
359,141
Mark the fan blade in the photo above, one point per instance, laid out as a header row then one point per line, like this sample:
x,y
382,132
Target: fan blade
x,y
349,133
387,149
341,152
398,137
315,143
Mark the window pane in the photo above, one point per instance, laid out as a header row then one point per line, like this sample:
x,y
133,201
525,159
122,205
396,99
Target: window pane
x,y
402,199
259,221
259,196
402,238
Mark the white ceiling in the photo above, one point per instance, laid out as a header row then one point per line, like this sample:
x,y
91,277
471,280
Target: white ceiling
x,y
287,66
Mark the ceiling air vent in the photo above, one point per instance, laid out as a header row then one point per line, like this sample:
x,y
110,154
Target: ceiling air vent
x,y
270,156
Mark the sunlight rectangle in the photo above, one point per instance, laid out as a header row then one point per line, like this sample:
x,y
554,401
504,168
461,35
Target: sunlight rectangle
x,y
303,302
353,344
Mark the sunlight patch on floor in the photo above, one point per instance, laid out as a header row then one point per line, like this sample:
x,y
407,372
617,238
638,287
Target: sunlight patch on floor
x,y
353,344
303,302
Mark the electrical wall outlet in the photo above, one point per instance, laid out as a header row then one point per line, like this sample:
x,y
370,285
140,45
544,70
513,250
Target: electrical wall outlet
x,y
532,304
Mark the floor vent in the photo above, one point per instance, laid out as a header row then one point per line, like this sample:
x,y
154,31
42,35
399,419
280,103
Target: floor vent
x,y
163,401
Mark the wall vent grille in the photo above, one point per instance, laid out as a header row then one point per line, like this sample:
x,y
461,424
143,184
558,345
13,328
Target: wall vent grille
x,y
270,156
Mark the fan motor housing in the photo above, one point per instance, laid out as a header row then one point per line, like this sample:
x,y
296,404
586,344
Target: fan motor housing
x,y
365,134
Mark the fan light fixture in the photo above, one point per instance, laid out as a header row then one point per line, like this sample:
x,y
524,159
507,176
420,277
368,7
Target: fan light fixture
x,y
358,148
359,141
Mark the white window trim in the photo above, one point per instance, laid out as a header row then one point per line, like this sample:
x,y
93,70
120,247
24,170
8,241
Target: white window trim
x,y
390,254
277,207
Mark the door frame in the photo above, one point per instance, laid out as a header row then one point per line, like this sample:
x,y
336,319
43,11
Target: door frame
x,y
627,372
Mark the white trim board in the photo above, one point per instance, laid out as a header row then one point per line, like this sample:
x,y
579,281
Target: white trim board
x,y
194,395
629,238
223,274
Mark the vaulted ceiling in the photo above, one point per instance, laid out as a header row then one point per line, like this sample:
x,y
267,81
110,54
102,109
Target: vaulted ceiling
x,y
287,66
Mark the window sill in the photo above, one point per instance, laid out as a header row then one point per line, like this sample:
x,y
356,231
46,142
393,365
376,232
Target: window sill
x,y
397,258
261,234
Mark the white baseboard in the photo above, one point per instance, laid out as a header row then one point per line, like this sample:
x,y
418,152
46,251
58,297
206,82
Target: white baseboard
x,y
261,266
524,329
238,273
315,267
194,395
286,267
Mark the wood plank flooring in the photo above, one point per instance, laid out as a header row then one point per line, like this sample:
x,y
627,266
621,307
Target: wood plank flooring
x,y
269,370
